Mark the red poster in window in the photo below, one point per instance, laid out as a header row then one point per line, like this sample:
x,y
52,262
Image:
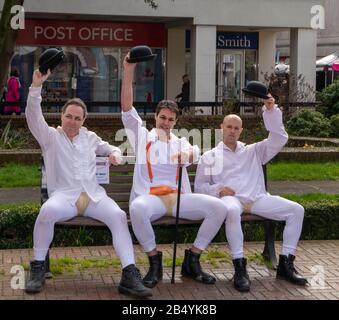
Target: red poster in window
x,y
335,65
92,34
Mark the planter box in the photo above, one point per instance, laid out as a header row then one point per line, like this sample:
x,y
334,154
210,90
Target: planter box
x,y
27,156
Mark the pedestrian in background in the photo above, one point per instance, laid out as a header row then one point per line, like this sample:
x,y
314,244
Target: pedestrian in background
x,y
13,93
184,95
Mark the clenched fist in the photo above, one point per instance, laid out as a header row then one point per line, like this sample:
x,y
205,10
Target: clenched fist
x,y
115,158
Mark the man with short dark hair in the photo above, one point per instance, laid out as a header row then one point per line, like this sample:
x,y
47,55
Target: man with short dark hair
x,y
77,102
69,153
155,184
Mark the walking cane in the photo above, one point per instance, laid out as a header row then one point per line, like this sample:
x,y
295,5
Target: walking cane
x,y
176,222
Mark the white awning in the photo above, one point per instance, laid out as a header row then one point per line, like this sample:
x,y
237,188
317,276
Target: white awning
x,y
328,60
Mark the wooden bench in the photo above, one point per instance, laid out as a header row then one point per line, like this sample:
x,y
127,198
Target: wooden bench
x,y
119,189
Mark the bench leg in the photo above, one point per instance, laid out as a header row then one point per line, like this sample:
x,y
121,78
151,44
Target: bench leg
x,y
269,250
48,273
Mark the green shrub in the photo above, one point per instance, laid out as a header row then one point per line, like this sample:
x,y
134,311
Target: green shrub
x,y
329,98
16,225
321,220
309,123
335,125
11,138
17,222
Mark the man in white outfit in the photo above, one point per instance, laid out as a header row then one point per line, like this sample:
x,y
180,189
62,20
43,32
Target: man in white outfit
x,y
155,180
69,153
232,171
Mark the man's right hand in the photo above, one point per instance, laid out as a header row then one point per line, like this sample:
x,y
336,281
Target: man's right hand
x,y
226,191
128,66
39,78
269,103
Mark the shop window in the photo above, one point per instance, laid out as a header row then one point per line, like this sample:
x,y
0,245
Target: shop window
x,y
57,88
251,73
149,78
92,74
251,66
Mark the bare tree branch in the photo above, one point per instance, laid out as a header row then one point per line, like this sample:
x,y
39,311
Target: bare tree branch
x,y
153,4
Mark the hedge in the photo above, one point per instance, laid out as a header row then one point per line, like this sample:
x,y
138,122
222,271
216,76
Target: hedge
x,y
17,222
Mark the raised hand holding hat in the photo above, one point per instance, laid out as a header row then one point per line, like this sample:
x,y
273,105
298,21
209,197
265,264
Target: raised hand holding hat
x,y
269,103
49,59
39,78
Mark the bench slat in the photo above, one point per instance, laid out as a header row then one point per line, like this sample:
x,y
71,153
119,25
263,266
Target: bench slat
x,y
89,222
119,179
113,188
129,168
119,196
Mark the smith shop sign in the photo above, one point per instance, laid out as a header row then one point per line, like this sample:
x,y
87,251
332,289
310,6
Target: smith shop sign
x,y
237,40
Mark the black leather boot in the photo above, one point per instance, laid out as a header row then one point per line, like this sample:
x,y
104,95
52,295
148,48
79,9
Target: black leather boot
x,y
191,268
287,271
241,279
131,283
37,277
154,273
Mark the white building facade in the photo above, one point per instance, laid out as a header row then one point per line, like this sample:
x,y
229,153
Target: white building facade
x,y
222,44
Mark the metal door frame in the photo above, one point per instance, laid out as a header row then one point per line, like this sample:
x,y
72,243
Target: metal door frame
x,y
219,72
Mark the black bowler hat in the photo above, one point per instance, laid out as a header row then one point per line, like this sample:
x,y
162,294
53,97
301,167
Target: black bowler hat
x,y
49,59
256,89
140,53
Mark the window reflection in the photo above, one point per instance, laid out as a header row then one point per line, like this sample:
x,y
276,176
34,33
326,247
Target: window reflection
x,y
92,74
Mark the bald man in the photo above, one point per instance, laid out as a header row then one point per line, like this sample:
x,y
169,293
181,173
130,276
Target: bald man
x,y
233,172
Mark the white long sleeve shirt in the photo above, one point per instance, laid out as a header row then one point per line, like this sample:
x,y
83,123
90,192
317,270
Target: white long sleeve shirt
x,y
241,170
70,165
163,168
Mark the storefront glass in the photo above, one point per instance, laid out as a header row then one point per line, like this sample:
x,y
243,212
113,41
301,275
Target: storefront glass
x,y
251,66
231,75
234,68
92,74
236,62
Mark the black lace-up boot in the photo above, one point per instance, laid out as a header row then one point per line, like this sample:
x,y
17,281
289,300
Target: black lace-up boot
x,y
241,279
131,283
154,273
191,268
37,277
287,271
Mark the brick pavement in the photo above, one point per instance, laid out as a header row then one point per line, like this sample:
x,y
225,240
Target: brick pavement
x,y
313,257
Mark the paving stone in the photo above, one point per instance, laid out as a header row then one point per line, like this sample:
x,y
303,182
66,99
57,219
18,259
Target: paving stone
x,y
102,283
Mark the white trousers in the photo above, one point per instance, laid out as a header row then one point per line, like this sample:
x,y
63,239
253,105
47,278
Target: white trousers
x,y
57,209
147,208
271,207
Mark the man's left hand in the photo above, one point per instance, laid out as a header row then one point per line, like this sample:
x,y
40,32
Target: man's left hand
x,y
182,158
115,158
269,103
